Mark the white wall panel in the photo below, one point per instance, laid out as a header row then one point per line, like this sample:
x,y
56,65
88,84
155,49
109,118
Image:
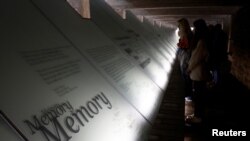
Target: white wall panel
x,y
50,91
103,54
129,42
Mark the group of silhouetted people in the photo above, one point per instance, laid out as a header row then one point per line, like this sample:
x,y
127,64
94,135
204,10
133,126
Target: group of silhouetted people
x,y
202,54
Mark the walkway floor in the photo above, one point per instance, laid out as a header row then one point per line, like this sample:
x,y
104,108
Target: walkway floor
x,y
169,123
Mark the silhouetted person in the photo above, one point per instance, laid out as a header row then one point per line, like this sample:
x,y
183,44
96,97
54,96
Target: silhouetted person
x,y
197,68
218,63
184,51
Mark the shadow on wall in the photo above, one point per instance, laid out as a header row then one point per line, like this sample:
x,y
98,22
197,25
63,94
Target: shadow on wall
x,y
239,48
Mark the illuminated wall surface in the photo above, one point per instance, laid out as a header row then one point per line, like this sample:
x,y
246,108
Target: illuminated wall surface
x,y
133,42
68,78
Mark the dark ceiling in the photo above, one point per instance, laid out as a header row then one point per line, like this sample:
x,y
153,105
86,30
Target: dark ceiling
x,y
169,11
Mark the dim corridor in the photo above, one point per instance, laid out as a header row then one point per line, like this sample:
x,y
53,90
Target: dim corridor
x,y
226,108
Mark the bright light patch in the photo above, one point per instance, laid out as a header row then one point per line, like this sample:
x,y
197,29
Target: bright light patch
x,y
176,31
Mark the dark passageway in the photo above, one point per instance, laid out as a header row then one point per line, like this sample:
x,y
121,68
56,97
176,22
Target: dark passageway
x,y
226,108
113,70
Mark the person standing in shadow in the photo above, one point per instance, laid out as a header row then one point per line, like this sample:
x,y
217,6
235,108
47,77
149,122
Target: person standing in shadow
x,y
184,51
198,70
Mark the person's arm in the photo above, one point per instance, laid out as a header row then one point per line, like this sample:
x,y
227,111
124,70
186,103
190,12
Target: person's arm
x,y
198,55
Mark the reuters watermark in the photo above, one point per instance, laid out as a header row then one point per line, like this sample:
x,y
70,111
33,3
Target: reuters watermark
x,y
228,133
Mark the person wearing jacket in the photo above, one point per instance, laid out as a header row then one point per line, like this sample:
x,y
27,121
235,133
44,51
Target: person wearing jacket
x,y
198,70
